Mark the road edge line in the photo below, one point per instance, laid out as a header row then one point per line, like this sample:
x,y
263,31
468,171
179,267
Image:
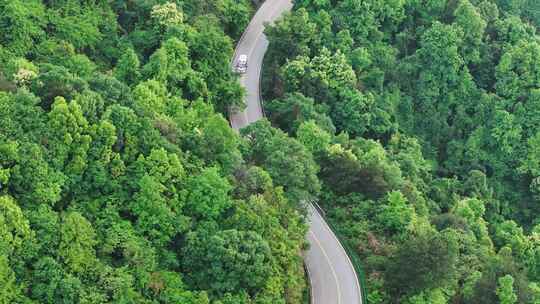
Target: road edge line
x,y
344,251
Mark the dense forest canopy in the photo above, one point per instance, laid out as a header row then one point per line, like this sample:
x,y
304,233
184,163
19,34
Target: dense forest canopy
x,y
120,179
415,122
424,120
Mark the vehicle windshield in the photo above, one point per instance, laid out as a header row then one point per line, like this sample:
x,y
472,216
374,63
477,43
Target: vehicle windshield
x,y
242,59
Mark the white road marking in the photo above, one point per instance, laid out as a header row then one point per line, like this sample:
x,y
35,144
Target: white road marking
x,y
329,264
357,283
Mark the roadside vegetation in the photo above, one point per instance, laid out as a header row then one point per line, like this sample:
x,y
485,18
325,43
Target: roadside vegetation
x,y
423,118
120,179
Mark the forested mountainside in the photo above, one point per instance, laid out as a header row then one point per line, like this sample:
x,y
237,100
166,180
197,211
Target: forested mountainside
x,y
424,120
120,179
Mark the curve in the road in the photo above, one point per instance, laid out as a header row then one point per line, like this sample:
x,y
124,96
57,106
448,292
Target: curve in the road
x,y
331,273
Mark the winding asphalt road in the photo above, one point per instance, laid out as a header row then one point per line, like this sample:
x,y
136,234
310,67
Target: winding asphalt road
x,y
332,276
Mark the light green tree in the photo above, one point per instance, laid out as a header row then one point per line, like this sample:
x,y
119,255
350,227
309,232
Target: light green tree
x,y
9,289
167,14
505,290
313,137
396,215
23,23
77,241
128,67
208,195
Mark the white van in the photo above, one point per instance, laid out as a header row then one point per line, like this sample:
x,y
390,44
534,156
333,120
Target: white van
x,y
242,63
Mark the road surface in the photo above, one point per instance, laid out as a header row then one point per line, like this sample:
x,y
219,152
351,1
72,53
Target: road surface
x,y
331,274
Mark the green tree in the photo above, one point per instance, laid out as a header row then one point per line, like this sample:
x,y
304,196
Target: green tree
x,y
317,77
210,51
396,215
23,23
77,242
313,137
68,141
364,168
14,228
251,181
167,14
470,20
518,71
287,161
235,16
292,36
170,64
505,290
510,234
10,291
208,195
150,98
169,287
45,222
289,112
52,284
422,262
80,24
158,218
128,67
210,137
56,81
532,11
229,261
33,179
435,296
367,22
